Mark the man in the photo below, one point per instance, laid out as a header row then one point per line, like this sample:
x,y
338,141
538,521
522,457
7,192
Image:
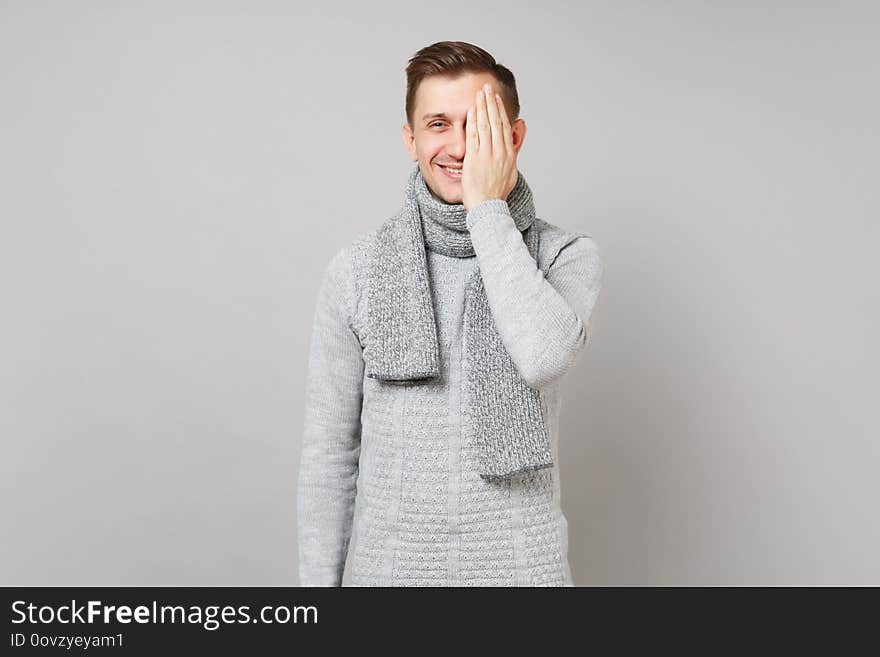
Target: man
x,y
438,346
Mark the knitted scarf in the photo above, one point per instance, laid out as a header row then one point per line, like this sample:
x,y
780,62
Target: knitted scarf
x,y
504,416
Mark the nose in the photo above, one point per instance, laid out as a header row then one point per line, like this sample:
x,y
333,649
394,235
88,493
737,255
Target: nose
x,y
456,148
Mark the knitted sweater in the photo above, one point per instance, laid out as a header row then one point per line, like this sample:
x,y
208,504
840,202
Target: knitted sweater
x,y
385,469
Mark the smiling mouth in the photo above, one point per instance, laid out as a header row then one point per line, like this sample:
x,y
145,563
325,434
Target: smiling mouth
x,y
451,173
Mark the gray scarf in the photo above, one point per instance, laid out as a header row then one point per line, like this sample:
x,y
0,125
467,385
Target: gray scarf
x,y
503,414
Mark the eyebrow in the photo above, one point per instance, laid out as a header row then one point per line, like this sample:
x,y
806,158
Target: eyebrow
x,y
435,115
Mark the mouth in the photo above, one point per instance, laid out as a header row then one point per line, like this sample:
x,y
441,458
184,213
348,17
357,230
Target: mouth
x,y
453,173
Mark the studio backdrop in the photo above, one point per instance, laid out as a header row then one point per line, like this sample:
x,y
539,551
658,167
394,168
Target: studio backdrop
x,y
174,178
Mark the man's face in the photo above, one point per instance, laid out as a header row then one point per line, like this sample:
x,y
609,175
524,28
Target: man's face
x,y
437,136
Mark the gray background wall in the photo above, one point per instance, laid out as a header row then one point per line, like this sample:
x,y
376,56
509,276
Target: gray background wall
x,y
175,176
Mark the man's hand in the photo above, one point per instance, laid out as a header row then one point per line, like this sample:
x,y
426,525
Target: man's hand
x,y
489,168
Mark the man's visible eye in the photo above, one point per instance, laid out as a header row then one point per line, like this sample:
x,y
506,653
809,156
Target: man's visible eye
x,y
435,123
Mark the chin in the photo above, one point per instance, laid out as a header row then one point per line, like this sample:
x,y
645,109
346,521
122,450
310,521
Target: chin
x,y
452,198
442,192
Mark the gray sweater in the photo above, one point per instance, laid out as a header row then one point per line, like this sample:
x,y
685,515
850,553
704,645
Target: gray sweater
x,y
385,473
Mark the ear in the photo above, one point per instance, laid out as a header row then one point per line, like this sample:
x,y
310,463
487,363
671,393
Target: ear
x,y
518,130
409,141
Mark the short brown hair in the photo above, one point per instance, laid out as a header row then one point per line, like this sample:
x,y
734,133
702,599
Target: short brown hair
x,y
454,58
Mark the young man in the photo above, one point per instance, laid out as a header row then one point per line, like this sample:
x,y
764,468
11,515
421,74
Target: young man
x,y
439,343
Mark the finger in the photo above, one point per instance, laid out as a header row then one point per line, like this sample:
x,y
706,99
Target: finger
x,y
472,140
485,139
495,126
505,122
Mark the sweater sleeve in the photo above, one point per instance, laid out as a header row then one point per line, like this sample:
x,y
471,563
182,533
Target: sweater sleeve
x,y
544,322
328,470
